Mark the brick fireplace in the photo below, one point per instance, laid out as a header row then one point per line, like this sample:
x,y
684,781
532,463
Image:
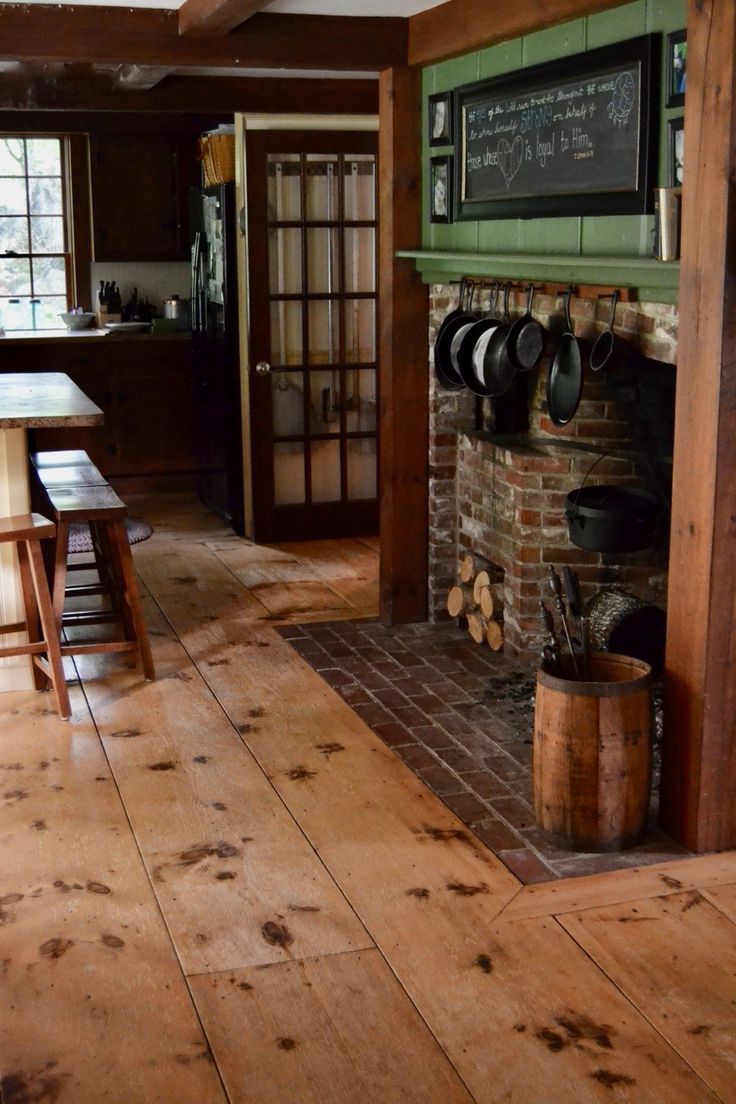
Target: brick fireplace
x,y
503,494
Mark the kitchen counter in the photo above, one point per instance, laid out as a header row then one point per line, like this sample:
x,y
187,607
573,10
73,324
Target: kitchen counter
x,y
70,337
32,400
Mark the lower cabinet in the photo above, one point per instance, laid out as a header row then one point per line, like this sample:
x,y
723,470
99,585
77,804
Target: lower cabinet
x,y
144,387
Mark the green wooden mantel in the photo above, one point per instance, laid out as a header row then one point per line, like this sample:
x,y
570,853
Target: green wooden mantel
x,y
655,281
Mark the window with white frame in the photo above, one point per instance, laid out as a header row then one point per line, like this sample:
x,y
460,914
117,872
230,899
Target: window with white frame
x,y
35,259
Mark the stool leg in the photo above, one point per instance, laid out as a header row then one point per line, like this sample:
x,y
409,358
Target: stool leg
x,y
50,630
59,586
30,608
119,540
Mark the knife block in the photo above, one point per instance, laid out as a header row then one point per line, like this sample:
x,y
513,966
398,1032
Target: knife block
x,y
104,316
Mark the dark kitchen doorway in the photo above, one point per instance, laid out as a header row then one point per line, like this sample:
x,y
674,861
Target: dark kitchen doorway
x,y
313,372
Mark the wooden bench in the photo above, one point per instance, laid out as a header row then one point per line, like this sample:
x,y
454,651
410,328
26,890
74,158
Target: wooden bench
x,y
77,492
27,531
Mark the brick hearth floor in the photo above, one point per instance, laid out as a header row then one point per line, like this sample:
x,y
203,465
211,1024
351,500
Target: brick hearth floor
x,y
461,717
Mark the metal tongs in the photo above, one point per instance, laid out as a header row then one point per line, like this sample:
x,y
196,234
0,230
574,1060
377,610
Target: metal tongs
x,y
577,644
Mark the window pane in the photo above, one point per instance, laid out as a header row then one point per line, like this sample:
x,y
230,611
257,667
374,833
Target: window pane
x,y
13,199
285,261
12,157
16,313
47,234
360,331
49,276
47,311
324,410
324,331
288,473
15,276
287,403
325,471
360,259
14,235
322,197
362,468
286,333
360,400
44,156
45,192
323,268
360,188
284,187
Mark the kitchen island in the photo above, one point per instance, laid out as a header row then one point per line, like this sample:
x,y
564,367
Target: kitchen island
x,y
29,400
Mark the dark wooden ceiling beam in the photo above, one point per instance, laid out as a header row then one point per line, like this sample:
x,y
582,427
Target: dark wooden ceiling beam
x,y
459,26
139,78
216,17
80,92
145,36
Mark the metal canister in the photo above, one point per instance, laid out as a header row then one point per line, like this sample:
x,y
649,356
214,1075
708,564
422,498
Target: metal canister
x,y
177,309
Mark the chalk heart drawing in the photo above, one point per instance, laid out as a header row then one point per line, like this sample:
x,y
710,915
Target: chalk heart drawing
x,y
509,157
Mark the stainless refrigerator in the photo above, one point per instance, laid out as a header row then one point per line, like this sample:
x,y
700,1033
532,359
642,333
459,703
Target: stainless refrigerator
x,y
216,352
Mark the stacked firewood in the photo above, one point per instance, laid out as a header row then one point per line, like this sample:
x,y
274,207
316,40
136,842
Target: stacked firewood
x,y
478,597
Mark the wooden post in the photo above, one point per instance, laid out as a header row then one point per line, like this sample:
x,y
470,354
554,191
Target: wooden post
x,y
404,373
699,753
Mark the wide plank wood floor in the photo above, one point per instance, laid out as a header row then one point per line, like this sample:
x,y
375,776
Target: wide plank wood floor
x,y
222,886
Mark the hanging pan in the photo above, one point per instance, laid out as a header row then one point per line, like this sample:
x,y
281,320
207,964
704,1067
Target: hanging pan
x,y
448,376
526,338
565,379
603,349
490,356
471,336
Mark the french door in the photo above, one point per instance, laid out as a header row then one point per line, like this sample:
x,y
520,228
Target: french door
x,y
312,245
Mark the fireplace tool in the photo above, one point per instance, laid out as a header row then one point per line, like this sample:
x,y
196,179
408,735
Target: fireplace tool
x,y
575,609
556,585
550,650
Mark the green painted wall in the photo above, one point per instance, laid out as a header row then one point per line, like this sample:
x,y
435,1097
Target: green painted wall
x,y
610,235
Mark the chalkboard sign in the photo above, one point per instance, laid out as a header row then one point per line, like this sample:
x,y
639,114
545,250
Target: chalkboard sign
x,y
570,137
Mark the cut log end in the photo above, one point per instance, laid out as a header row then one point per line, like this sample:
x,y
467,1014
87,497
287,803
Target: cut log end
x,y
494,635
477,626
459,600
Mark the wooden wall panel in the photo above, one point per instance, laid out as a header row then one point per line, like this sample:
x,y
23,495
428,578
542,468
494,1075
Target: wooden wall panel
x,y
699,759
403,328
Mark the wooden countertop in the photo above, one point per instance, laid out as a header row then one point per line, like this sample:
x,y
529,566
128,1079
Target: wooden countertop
x,y
52,337
42,399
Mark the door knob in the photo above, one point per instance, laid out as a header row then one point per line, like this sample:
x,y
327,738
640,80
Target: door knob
x,y
263,368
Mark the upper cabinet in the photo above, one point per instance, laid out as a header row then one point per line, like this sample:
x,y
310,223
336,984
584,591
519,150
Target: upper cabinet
x,y
140,195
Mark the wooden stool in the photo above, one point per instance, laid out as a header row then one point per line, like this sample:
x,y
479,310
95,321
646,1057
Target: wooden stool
x,y
105,513
27,531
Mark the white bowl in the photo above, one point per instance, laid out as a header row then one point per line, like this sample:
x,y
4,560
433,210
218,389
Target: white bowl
x,y
78,321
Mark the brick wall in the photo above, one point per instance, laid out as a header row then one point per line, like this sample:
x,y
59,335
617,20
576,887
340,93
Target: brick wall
x,y
504,497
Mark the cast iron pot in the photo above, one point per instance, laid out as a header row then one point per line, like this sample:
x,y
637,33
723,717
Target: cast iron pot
x,y
607,518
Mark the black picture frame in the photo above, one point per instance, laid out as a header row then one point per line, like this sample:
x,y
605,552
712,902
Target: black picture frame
x,y
676,68
675,151
622,77
440,119
440,188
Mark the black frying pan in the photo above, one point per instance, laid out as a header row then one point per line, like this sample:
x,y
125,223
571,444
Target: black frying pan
x,y
470,337
447,375
525,341
565,379
498,371
601,352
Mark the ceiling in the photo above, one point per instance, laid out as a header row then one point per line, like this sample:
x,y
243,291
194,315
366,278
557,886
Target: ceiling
x,y
386,8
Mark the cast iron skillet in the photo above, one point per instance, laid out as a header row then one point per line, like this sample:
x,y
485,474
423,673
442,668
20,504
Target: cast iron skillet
x,y
526,338
447,375
465,364
565,379
497,370
600,354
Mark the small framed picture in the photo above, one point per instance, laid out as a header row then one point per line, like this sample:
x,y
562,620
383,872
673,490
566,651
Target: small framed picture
x,y
676,68
675,151
440,181
440,119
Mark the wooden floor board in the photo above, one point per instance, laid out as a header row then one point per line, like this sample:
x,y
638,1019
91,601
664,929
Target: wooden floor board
x,y
95,1007
675,958
336,1030
237,881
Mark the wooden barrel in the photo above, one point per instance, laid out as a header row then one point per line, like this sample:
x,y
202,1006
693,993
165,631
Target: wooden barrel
x,y
593,754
